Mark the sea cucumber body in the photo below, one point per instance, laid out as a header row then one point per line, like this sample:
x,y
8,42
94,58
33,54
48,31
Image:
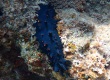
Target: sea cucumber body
x,y
48,38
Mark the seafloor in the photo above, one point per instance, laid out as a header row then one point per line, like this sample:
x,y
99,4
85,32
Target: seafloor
x,y
84,29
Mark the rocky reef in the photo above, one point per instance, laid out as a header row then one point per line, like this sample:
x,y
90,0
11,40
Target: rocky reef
x,y
84,30
12,66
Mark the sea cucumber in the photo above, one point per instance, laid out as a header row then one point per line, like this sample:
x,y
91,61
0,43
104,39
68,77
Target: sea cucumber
x,y
48,38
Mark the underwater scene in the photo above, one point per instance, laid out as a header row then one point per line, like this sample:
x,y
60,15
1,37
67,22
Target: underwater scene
x,y
54,39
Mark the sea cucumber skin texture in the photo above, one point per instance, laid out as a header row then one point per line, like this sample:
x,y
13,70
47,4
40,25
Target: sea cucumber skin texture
x,y
48,38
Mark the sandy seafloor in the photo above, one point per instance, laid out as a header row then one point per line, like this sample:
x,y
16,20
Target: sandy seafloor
x,y
84,28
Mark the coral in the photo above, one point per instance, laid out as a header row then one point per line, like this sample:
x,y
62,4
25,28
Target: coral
x,y
47,36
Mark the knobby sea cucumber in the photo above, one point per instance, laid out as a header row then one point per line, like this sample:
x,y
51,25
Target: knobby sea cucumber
x,y
48,38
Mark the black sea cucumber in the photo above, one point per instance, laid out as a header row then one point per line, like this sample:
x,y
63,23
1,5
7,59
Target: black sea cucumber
x,y
48,38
